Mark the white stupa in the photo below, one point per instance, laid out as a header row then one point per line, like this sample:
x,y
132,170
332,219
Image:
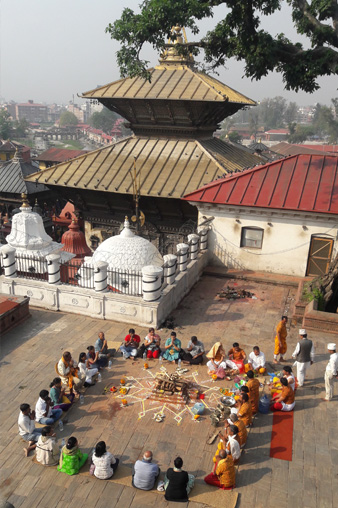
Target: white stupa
x,y
128,251
29,238
126,255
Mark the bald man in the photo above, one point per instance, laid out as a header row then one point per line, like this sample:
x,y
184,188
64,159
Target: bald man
x,y
145,472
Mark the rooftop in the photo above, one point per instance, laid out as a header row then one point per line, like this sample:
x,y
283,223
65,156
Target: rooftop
x,y
59,155
168,167
307,183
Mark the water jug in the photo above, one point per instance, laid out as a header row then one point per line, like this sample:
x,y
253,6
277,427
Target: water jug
x,y
264,405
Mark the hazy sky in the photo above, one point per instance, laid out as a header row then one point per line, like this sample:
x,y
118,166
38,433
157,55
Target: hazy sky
x,y
52,49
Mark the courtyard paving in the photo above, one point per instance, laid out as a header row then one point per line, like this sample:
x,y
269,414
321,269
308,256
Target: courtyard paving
x,y
28,357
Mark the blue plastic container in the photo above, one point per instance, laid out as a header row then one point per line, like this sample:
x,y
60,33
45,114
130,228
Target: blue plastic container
x,y
264,405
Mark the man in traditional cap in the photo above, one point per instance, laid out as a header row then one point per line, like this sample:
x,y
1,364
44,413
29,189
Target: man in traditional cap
x,y
304,355
331,371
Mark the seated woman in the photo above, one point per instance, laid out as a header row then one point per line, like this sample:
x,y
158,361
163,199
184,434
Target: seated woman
x,y
68,372
86,372
93,360
284,401
71,458
287,373
216,357
47,451
172,348
58,397
105,464
152,344
178,483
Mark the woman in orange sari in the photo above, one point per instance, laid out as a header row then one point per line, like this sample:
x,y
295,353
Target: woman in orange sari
x,y
69,373
280,340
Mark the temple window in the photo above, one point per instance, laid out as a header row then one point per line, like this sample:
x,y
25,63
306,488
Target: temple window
x,y
252,237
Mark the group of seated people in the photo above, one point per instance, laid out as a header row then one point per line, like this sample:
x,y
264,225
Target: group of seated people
x,y
177,483
151,348
72,376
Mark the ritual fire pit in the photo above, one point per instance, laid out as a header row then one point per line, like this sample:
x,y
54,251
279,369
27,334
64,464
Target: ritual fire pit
x,y
171,388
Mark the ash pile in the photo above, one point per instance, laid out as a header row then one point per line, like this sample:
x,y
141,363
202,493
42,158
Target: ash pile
x,y
231,293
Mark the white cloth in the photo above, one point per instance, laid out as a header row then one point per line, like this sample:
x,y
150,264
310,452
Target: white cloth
x,y
103,469
47,451
288,407
40,410
63,371
332,366
301,371
87,374
235,448
211,364
330,373
297,350
26,425
291,380
257,362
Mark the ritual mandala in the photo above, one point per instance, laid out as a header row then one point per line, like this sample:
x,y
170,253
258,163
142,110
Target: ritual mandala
x,y
140,394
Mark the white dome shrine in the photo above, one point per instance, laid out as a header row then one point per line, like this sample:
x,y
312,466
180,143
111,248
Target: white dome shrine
x,y
127,251
29,238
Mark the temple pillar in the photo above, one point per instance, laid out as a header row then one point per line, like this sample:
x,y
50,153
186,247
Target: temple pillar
x,y
182,253
53,268
203,233
8,260
170,265
193,245
151,282
100,276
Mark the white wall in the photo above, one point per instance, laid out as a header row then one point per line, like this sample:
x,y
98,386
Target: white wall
x,y
285,246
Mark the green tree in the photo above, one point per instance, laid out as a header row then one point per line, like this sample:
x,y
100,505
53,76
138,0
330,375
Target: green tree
x,y
235,137
21,127
300,133
5,124
325,122
68,119
290,114
103,120
254,123
238,35
271,112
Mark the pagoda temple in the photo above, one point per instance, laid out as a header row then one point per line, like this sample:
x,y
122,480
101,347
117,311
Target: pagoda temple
x,y
173,117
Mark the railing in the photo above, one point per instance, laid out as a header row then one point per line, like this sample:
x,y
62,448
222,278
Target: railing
x,y
31,267
127,282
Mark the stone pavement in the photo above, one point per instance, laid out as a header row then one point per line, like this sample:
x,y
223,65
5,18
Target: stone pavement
x,y
28,357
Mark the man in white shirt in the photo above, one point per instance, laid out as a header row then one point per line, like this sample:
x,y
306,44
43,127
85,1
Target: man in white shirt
x,y
27,429
44,413
331,371
304,355
233,447
256,360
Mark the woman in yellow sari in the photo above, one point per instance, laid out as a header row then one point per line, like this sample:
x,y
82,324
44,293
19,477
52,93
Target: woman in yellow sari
x,y
280,340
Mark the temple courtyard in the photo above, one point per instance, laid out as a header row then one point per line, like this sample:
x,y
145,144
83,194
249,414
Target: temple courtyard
x,y
28,357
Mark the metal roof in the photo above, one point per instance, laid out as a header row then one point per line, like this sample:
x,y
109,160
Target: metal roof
x,y
170,83
307,183
291,149
168,167
12,174
59,155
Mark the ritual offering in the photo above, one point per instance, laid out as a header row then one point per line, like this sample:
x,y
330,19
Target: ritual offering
x,y
124,402
146,366
214,377
123,391
113,389
122,381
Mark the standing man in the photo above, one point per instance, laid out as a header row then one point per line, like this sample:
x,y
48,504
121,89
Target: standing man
x,y
101,347
304,355
331,371
280,340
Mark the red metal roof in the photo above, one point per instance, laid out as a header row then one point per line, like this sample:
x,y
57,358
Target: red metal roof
x,y
59,155
307,183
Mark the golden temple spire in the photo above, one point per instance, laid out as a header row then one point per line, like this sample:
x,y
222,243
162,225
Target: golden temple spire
x,y
171,54
25,203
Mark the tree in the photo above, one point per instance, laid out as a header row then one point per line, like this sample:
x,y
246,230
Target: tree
x,y
272,112
20,127
324,122
254,123
300,133
290,114
235,137
103,120
5,124
68,119
238,35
